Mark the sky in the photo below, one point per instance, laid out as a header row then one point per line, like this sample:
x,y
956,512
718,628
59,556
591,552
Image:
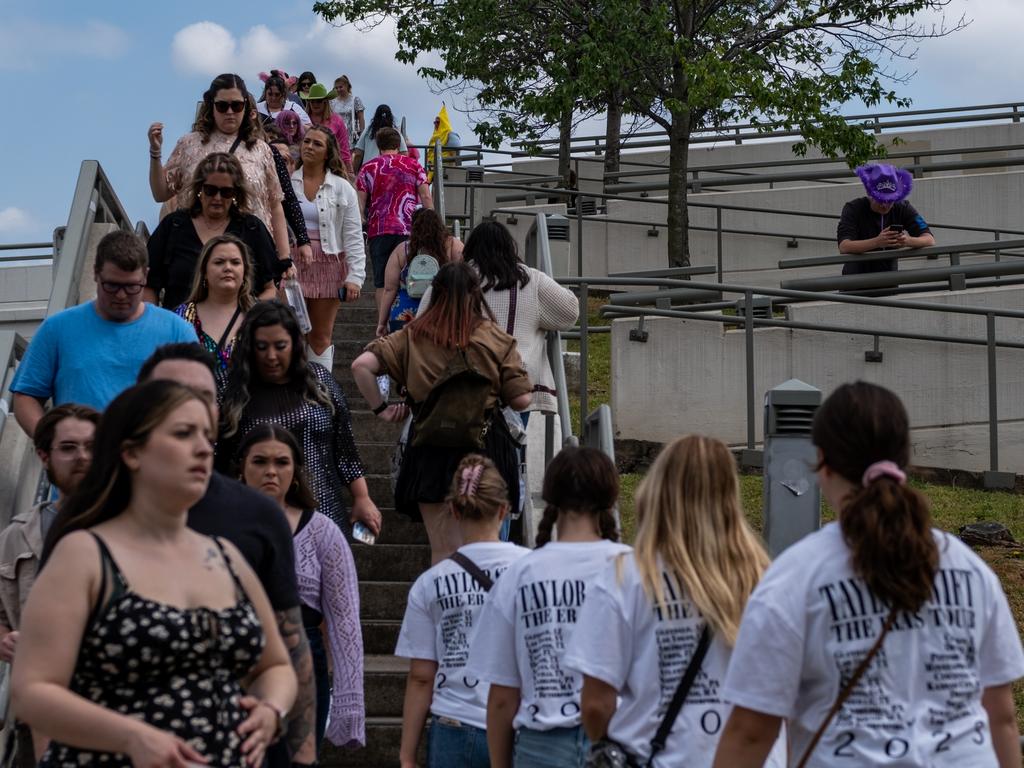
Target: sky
x,y
85,80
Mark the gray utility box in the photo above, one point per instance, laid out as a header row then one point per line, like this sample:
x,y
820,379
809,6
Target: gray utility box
x,y
792,500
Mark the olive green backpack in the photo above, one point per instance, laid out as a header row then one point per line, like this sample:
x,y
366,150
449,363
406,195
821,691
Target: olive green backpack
x,y
454,414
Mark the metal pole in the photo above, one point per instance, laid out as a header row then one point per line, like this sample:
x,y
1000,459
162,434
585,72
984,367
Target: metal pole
x,y
993,405
472,205
718,228
749,326
584,302
579,227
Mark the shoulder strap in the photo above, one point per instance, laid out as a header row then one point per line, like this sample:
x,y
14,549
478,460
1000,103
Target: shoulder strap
x,y
231,569
111,579
513,295
473,570
228,327
844,694
685,683
234,145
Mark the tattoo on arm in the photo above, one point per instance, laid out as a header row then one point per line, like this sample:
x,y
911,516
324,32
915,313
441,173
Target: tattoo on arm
x,y
302,720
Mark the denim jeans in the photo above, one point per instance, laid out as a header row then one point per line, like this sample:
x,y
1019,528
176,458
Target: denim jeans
x,y
557,748
451,744
323,682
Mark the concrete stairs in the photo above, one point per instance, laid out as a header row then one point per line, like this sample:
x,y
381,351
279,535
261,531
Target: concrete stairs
x,y
387,569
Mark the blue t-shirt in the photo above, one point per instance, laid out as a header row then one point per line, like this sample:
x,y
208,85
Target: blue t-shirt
x,y
78,357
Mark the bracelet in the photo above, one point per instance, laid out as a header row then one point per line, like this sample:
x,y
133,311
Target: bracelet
x,y
154,155
381,408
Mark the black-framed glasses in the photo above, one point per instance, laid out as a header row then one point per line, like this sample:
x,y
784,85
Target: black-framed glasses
x,y
130,289
227,193
235,106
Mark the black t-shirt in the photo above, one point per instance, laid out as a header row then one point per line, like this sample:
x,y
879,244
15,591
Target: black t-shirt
x,y
257,526
175,246
859,222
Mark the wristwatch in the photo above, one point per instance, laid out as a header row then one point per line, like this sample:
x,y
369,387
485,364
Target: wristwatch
x,y
381,408
281,714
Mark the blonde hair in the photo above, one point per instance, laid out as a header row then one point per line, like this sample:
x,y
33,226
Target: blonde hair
x,y
478,490
691,524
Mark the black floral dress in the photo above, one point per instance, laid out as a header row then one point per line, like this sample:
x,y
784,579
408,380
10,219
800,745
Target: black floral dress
x,y
176,669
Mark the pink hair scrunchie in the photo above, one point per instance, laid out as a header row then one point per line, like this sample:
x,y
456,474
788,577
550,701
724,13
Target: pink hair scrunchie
x,y
470,479
883,469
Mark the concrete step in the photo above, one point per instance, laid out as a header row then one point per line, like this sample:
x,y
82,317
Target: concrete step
x,y
353,331
384,685
380,637
383,600
380,490
391,562
376,456
383,738
347,351
398,529
371,429
358,313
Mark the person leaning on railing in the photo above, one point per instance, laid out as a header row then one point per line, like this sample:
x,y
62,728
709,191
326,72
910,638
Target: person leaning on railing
x,y
882,221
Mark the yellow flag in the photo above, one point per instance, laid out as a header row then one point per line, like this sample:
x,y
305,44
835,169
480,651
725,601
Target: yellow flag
x,y
442,127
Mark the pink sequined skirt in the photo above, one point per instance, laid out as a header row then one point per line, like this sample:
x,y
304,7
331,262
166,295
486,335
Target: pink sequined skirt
x,y
322,276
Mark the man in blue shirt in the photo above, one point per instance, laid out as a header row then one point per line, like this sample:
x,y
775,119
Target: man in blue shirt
x,y
90,353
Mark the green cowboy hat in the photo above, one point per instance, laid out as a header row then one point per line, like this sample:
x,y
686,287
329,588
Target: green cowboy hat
x,y
316,92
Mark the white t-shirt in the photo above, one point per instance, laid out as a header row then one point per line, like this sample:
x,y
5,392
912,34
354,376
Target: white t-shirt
x,y
526,626
440,620
811,621
625,640
288,105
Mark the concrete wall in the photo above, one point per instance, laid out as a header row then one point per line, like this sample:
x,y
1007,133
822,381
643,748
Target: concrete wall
x,y
693,372
984,198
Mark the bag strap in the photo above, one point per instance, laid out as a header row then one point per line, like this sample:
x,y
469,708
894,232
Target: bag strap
x,y
513,294
685,683
473,570
227,329
848,688
234,146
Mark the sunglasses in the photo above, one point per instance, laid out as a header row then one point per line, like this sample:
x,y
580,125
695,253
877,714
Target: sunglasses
x,y
226,193
130,289
234,106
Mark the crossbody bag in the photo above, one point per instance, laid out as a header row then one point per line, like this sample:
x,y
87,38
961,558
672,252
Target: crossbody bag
x,y
609,754
473,570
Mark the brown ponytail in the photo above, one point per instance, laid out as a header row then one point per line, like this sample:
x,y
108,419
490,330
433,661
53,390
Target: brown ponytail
x,y
886,524
582,480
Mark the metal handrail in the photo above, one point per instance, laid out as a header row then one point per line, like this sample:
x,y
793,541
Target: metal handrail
x,y
94,201
747,320
904,253
736,131
12,349
438,179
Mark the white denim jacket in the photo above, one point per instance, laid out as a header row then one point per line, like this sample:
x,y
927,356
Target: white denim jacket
x,y
341,227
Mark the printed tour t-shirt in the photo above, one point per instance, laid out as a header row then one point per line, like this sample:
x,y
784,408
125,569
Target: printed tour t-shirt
x,y
526,626
440,621
811,621
641,649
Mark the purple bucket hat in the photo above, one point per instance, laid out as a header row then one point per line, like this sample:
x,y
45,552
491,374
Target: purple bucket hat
x,y
885,183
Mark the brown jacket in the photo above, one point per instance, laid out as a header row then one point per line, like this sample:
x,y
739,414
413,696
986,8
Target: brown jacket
x,y
418,366
21,544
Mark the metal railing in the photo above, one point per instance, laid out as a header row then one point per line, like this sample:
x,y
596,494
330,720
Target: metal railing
x,y
6,258
748,322
12,349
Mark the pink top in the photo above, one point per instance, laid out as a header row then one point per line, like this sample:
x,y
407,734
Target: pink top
x,y
337,126
257,165
328,583
391,184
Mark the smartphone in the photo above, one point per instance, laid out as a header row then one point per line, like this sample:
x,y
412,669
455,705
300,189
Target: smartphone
x,y
897,228
361,533
342,296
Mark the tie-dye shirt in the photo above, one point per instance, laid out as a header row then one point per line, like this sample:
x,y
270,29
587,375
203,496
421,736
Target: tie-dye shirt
x,y
390,183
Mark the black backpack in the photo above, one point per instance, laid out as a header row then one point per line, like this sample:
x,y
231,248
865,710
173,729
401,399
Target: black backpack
x,y
454,414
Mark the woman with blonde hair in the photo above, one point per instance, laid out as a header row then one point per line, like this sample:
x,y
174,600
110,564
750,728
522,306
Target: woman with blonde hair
x,y
675,600
441,617
221,295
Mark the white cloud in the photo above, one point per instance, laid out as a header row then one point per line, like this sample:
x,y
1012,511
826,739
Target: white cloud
x,y
14,219
206,48
26,44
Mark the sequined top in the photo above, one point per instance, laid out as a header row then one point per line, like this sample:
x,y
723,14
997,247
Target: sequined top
x,y
175,668
328,445
190,314
257,165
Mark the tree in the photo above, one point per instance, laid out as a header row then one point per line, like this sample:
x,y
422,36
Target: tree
x,y
517,55
692,64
